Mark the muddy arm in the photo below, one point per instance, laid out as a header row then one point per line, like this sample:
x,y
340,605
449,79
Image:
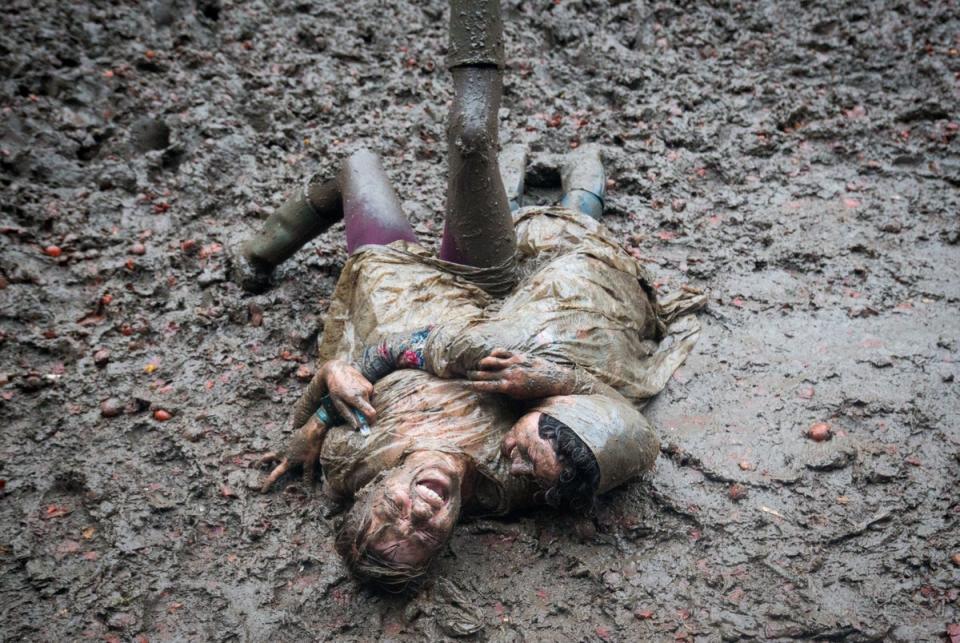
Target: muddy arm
x,y
529,378
447,352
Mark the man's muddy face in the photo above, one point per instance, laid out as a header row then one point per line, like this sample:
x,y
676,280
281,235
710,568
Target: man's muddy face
x,y
529,454
415,508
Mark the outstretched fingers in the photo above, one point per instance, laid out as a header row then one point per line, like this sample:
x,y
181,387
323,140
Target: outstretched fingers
x,y
267,458
275,475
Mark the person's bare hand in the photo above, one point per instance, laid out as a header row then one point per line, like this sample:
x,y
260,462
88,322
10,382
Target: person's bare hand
x,y
349,390
303,450
519,376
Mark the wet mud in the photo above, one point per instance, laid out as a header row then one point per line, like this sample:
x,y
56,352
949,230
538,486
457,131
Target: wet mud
x,y
799,160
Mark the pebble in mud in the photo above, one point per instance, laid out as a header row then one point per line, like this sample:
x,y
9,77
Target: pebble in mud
x,y
161,415
956,559
111,407
101,357
737,492
819,432
138,249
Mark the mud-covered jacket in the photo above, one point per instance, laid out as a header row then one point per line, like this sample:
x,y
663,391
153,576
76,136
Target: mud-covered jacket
x,y
581,302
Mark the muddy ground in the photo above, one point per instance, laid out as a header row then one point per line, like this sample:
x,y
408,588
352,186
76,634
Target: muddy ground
x,y
798,159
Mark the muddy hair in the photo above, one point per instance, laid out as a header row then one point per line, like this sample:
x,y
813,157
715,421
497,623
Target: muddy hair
x,y
352,544
580,473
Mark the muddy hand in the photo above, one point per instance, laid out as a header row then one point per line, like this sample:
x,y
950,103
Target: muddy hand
x,y
350,391
303,450
519,376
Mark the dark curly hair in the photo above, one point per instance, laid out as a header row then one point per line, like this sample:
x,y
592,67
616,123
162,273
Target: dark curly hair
x,y
580,473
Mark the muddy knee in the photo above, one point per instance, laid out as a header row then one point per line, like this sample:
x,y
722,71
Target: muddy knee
x,y
473,136
474,114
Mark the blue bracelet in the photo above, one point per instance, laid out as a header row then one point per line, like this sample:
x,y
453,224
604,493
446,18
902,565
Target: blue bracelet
x,y
324,417
327,414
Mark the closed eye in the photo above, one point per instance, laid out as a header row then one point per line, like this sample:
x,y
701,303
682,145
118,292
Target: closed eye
x,y
389,508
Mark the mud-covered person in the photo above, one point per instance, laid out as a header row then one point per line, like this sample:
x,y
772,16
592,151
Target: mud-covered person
x,y
458,428
438,446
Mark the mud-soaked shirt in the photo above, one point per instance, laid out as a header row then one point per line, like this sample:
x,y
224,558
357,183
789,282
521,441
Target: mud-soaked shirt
x,y
581,301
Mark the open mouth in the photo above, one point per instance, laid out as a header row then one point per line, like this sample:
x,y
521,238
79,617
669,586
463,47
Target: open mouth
x,y
433,491
520,465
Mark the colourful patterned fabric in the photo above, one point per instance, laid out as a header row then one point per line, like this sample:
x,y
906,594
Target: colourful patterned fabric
x,y
404,350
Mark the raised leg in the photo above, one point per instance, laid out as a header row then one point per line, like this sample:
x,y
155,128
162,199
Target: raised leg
x,y
478,230
361,194
584,181
371,209
301,218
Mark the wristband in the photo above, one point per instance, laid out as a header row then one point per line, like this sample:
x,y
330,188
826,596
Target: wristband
x,y
324,417
328,414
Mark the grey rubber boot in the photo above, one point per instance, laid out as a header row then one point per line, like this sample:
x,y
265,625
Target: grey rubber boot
x,y
584,181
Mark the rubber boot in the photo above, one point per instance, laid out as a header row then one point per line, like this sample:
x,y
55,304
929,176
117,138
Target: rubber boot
x,y
301,218
513,171
584,181
476,34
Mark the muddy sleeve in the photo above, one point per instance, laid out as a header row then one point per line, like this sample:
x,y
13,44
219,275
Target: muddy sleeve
x,y
450,352
587,384
452,349
445,350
